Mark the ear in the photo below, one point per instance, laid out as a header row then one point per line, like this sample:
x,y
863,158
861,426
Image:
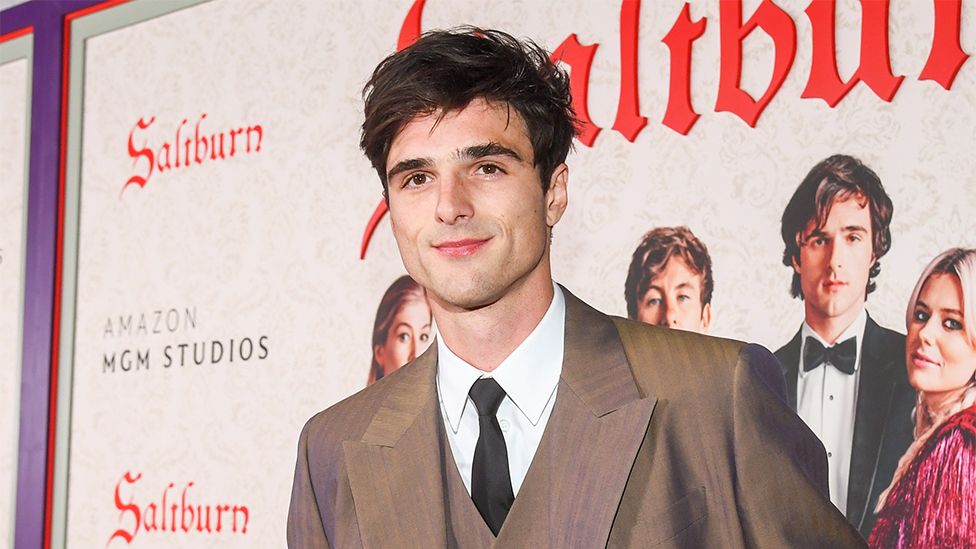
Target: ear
x,y
796,265
706,318
556,197
378,354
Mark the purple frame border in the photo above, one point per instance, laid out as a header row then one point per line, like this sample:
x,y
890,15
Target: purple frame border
x,y
47,18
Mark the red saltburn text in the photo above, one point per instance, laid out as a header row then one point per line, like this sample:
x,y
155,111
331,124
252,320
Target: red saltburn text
x,y
188,149
945,58
176,513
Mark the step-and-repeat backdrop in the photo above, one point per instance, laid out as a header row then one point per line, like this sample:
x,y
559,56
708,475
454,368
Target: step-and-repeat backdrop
x,y
15,79
216,201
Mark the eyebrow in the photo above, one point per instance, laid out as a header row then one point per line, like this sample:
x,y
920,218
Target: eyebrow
x,y
491,148
407,165
919,302
473,152
818,233
681,286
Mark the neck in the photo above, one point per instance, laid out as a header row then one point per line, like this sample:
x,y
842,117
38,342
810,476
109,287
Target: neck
x,y
940,402
485,336
829,328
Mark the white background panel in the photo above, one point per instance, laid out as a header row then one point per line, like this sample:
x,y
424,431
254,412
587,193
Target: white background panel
x,y
14,116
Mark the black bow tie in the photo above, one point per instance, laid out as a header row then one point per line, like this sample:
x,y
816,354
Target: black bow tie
x,y
841,356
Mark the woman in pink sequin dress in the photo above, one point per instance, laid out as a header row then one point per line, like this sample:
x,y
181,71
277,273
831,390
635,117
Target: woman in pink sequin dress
x,y
931,502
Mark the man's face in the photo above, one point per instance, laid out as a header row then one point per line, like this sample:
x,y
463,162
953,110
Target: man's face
x,y
467,207
673,299
835,261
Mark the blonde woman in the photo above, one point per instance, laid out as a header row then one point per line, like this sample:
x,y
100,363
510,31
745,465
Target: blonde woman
x,y
931,501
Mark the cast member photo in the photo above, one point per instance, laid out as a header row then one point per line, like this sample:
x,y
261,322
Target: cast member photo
x,y
932,499
669,282
402,329
845,374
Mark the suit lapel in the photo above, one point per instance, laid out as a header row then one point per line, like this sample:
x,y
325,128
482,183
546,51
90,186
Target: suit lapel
x,y
599,420
789,360
875,390
395,469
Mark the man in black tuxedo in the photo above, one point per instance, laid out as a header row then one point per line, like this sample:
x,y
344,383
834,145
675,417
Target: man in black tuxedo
x,y
845,374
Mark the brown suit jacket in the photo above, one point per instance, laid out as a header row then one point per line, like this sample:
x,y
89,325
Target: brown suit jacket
x,y
658,438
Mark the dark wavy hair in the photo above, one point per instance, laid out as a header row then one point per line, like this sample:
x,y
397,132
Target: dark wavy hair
x,y
444,70
656,248
836,178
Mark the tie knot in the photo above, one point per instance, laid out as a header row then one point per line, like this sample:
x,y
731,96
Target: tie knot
x,y
487,395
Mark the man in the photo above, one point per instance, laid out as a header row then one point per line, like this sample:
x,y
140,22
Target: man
x,y
536,421
669,282
845,374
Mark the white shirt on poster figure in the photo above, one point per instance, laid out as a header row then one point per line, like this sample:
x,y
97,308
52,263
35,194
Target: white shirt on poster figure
x,y
529,377
827,401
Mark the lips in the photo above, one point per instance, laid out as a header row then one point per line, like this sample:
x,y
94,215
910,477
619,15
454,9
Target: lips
x,y
460,248
834,285
922,360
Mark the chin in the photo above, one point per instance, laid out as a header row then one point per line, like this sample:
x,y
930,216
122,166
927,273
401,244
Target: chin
x,y
920,382
470,296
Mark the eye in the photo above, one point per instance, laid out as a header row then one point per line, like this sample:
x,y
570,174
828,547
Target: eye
x,y
952,324
424,338
403,337
654,302
683,297
415,180
920,316
817,242
489,170
854,238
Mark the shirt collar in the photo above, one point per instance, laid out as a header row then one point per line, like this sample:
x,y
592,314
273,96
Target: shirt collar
x,y
856,329
528,375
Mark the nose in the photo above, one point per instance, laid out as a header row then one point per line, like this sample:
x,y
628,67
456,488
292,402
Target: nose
x,y
927,334
671,316
836,256
411,348
453,200
668,314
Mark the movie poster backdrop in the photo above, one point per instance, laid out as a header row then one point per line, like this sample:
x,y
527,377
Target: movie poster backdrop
x,y
15,78
221,284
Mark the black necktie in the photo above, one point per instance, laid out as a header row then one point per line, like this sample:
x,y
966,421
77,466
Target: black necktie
x,y
491,483
841,356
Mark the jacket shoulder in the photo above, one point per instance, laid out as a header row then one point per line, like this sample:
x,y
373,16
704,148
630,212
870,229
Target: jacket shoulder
x,y
890,342
347,419
679,346
949,454
961,424
789,354
688,362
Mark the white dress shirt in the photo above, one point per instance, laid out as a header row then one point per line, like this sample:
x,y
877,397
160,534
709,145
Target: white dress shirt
x,y
529,377
827,401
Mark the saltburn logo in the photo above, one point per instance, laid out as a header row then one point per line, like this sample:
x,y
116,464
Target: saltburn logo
x,y
177,513
186,150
